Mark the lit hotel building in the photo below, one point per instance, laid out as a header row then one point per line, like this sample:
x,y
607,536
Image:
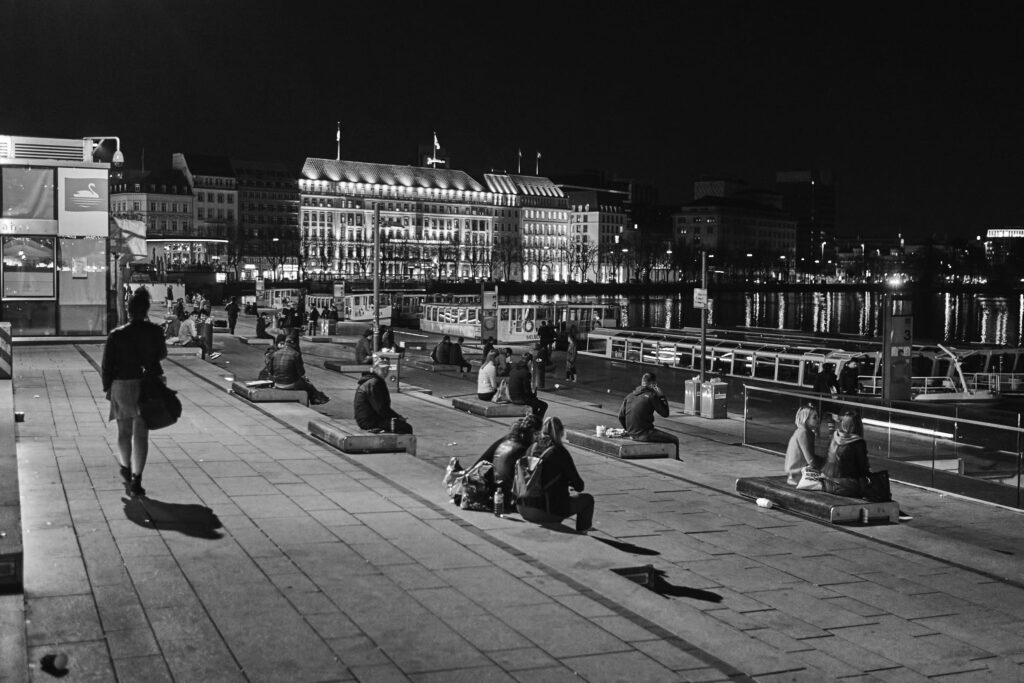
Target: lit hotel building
x,y
434,223
54,231
531,227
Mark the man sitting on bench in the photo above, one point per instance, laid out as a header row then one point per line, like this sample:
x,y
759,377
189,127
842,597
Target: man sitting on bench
x,y
286,369
372,402
636,415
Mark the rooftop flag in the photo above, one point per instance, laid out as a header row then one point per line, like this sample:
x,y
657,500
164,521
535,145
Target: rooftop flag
x,y
437,145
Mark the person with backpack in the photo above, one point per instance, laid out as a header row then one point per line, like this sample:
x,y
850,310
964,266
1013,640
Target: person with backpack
x,y
543,478
504,453
520,387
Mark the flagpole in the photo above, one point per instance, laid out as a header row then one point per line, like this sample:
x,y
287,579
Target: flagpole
x,y
537,167
337,137
519,167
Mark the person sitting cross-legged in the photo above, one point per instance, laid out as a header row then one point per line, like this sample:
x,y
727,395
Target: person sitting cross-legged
x,y
558,474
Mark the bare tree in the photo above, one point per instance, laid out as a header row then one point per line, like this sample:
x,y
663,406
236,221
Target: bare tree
x,y
505,255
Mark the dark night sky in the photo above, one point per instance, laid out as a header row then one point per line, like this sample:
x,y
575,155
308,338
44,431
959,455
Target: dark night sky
x,y
917,108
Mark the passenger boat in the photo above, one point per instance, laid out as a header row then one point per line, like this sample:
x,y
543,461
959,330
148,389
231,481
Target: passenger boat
x,y
354,307
515,323
940,374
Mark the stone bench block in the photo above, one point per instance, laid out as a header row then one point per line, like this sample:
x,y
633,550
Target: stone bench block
x,y
471,404
817,504
194,351
347,437
317,339
269,395
338,366
256,341
624,448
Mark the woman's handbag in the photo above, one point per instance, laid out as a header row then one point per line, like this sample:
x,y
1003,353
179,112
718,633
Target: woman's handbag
x,y
810,480
875,487
501,395
158,403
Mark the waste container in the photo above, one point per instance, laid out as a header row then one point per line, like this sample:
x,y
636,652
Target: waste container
x,y
691,397
714,395
395,373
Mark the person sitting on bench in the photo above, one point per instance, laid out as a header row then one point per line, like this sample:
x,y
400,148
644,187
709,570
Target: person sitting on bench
x,y
364,348
287,371
372,402
636,415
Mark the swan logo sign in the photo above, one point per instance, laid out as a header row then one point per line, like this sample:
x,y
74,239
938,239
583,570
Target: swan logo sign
x,y
83,209
85,194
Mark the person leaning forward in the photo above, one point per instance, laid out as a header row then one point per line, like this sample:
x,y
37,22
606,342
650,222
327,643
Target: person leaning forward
x,y
372,402
520,387
636,415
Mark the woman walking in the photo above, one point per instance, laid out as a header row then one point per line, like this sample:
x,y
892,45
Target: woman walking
x,y
131,351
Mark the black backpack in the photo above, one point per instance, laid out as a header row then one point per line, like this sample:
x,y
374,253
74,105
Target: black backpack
x,y
528,482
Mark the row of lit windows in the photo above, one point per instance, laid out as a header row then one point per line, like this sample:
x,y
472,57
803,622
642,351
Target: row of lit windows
x,y
391,190
218,197
546,215
215,214
544,229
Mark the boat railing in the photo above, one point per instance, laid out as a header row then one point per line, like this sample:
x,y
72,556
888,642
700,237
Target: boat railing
x,y
948,452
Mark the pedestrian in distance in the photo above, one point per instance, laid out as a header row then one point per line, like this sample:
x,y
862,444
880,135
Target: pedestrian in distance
x,y
131,351
849,378
539,367
455,356
636,414
372,402
232,311
570,360
487,378
364,348
520,387
314,319
800,450
560,488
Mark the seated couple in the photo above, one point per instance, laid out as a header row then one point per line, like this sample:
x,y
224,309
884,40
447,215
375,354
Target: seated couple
x,y
556,470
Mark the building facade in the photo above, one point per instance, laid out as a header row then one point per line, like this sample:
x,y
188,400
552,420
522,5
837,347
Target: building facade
x,y
531,227
809,197
54,237
162,200
434,223
266,239
599,234
215,195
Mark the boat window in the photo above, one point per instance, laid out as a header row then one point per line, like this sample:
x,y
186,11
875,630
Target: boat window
x,y
788,369
764,366
503,312
633,350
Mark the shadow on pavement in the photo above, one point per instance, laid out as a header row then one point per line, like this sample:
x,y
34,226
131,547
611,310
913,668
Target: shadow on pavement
x,y
197,521
627,547
667,590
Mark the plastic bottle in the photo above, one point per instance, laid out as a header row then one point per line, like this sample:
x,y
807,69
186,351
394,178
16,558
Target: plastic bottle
x,y
499,503
764,503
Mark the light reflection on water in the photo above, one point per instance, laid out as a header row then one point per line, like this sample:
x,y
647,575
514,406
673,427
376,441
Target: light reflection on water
x,y
947,317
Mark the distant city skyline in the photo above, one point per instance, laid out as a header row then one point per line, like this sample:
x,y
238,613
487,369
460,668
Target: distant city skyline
x,y
913,108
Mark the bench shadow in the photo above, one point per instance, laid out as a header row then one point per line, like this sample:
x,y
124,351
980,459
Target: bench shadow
x,y
197,521
627,547
667,590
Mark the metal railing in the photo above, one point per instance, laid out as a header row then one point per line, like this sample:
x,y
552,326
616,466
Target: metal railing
x,y
968,457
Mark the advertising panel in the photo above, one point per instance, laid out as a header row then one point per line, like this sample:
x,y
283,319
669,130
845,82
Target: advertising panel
x,y
83,200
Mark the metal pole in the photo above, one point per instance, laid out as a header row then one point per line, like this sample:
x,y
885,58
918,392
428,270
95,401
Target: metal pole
x,y
376,277
703,312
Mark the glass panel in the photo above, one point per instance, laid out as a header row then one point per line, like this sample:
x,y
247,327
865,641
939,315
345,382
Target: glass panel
x,y
31,318
82,278
28,267
28,193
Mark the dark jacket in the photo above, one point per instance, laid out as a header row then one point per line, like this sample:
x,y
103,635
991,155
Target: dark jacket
x,y
442,353
558,473
364,351
130,349
825,382
547,334
232,310
373,403
455,356
287,318
314,315
636,415
846,465
520,388
849,380
286,366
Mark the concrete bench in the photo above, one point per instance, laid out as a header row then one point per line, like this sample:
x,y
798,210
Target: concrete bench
x,y
624,447
175,350
269,394
431,366
256,341
816,504
317,339
471,404
347,437
338,366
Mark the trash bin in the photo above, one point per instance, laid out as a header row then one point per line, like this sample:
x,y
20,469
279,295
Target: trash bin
x,y
714,396
691,397
395,373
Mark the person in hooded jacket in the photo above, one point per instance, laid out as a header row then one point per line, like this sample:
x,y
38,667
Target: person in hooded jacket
x,y
558,475
364,348
846,465
636,414
520,387
372,403
441,354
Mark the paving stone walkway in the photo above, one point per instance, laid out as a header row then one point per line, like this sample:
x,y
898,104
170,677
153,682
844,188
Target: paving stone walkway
x,y
264,555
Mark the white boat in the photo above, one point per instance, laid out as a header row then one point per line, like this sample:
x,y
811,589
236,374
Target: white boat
x,y
461,316
955,389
